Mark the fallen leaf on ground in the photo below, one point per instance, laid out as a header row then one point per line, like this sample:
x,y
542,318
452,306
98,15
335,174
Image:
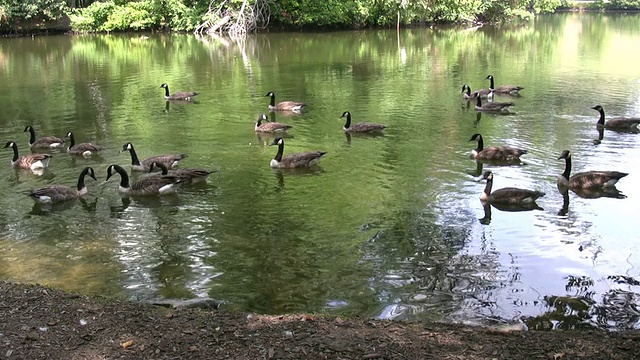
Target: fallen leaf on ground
x,y
126,344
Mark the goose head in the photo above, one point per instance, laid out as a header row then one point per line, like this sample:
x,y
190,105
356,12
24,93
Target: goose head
x,y
270,93
489,77
164,85
28,128
345,114
127,147
566,154
91,173
475,137
487,175
277,141
9,144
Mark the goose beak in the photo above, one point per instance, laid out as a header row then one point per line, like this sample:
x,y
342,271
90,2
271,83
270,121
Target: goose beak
x,y
594,107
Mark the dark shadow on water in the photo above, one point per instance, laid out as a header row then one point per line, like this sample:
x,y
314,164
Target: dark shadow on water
x,y
349,136
486,220
47,208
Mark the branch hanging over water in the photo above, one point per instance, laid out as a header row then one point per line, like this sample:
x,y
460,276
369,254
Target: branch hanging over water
x,y
224,19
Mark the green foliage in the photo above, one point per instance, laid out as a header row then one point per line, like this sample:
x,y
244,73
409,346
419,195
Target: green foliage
x,y
16,10
135,15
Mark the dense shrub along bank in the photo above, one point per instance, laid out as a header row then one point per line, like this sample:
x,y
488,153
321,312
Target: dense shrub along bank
x,y
188,15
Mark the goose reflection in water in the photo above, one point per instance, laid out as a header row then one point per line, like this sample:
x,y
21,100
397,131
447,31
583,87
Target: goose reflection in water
x,y
611,193
486,220
48,208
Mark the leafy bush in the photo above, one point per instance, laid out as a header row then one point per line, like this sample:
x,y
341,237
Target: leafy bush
x,y
13,10
92,17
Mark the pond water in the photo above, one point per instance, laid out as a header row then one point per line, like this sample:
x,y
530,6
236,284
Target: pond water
x,y
386,226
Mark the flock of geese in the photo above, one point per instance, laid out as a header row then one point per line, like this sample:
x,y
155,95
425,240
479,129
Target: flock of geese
x,y
588,184
169,178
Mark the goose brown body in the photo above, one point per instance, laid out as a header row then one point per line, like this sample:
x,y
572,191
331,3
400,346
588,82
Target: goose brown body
x,y
495,153
293,106
147,186
169,160
492,106
587,179
180,95
30,161
45,142
468,95
270,127
83,149
616,123
361,127
503,89
187,175
509,195
58,193
297,160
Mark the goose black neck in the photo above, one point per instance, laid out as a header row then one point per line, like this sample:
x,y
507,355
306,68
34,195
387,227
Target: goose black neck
x,y
72,140
134,157
162,168
32,138
491,84
81,178
567,168
278,156
487,188
259,121
124,177
273,100
478,101
601,120
348,123
15,152
480,143
467,90
166,91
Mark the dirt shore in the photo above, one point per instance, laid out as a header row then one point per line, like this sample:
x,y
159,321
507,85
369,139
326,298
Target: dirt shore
x,y
41,323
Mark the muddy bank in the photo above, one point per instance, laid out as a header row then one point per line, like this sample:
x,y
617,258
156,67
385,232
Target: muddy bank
x,y
42,323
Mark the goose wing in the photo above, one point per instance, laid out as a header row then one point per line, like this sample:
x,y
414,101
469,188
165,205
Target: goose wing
x,y
595,179
83,147
273,126
508,89
168,160
623,123
501,153
495,106
182,95
152,185
302,159
26,161
290,105
190,174
54,193
47,141
367,127
514,195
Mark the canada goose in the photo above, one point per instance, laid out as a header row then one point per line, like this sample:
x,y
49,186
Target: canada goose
x,y
31,161
507,196
495,153
169,160
44,142
84,149
188,175
468,95
298,160
180,95
587,179
284,105
270,127
492,106
148,186
361,127
616,123
58,193
503,89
